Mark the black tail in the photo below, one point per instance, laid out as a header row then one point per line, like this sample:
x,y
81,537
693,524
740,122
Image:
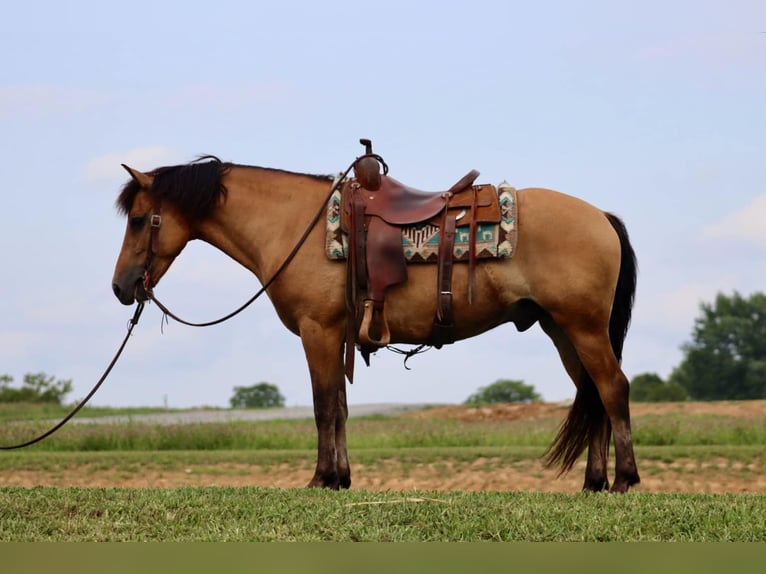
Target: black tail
x,y
587,414
625,293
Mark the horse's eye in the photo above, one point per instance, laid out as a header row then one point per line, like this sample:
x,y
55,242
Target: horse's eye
x,y
137,222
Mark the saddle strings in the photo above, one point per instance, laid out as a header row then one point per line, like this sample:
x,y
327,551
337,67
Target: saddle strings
x,y
408,354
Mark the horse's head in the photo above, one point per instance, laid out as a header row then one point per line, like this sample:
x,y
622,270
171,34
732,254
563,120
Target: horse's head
x,y
156,233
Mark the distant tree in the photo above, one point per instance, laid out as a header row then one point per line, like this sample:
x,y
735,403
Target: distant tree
x,y
258,396
726,359
651,388
37,388
504,391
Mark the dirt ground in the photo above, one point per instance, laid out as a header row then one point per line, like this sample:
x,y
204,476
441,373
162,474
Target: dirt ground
x,y
534,410
680,476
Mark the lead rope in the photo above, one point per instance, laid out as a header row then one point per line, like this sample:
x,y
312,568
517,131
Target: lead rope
x,y
82,403
338,182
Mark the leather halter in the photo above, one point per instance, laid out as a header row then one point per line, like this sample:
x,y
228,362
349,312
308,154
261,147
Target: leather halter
x,y
155,220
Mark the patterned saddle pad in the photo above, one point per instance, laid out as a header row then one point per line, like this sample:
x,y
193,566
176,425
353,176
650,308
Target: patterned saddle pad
x,y
420,242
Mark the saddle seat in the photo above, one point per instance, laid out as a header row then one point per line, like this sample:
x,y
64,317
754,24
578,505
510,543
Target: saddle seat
x,y
399,204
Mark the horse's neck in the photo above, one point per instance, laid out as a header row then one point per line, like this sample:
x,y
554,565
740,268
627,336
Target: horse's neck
x,y
258,223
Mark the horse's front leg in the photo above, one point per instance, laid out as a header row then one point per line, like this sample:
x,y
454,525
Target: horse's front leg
x,y
324,353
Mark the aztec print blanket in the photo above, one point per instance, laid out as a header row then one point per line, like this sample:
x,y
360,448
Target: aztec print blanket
x,y
421,242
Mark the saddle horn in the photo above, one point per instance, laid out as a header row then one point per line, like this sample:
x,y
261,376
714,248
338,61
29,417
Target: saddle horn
x,y
367,168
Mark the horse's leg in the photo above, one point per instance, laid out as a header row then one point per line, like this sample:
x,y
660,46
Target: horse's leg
x,y
598,426
344,468
324,355
594,349
596,478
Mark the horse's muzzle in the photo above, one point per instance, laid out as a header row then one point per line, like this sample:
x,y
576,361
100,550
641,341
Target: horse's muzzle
x,y
128,296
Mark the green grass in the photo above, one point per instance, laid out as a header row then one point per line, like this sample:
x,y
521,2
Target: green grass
x,y
684,429
262,514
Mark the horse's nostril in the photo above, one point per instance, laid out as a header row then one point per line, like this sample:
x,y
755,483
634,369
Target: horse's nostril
x,y
116,289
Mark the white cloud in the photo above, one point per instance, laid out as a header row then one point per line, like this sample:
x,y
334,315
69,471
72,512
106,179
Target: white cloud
x,y
747,224
108,167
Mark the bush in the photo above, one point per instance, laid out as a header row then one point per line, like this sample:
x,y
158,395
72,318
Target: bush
x,y
258,396
37,388
650,388
504,391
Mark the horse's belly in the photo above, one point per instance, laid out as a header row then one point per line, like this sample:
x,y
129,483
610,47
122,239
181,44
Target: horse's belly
x,y
410,308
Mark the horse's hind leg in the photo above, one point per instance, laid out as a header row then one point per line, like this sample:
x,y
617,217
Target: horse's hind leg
x,y
596,478
595,352
595,423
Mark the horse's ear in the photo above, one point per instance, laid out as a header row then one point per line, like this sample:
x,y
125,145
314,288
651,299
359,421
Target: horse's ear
x,y
140,177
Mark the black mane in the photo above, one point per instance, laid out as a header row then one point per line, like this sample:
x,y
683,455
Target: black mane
x,y
194,188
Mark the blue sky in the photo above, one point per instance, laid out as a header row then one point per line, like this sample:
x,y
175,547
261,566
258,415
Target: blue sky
x,y
653,111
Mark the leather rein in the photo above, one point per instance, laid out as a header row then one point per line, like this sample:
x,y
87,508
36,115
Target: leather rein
x,y
155,221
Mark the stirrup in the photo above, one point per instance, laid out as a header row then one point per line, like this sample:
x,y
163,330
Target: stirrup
x,y
367,323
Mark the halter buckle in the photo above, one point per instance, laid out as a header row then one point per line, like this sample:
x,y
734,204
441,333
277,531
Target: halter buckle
x,y
155,220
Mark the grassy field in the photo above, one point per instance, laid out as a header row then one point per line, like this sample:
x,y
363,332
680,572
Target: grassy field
x,y
264,514
96,461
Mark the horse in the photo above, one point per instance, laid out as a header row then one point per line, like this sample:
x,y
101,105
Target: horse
x,y
573,272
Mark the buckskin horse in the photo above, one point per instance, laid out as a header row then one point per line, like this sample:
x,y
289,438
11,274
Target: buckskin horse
x,y
573,271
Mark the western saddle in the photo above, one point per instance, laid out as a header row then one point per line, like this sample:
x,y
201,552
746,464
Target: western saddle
x,y
375,208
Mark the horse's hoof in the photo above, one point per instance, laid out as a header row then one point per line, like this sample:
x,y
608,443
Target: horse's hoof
x,y
320,482
599,485
621,486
